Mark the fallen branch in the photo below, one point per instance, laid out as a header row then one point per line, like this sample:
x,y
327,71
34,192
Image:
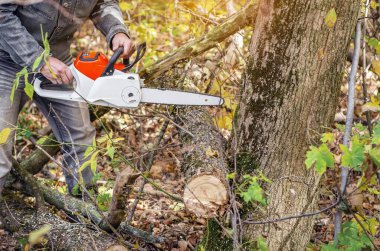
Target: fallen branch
x,y
193,48
121,192
75,206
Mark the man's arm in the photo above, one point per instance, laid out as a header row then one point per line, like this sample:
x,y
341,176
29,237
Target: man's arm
x,y
15,39
24,49
108,18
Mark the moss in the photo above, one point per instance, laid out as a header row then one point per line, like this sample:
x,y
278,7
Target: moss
x,y
246,163
214,239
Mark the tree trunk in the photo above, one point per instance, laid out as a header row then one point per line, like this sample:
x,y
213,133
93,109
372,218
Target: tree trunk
x,y
290,92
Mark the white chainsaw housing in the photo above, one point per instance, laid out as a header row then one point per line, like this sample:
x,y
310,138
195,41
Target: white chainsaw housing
x,y
119,90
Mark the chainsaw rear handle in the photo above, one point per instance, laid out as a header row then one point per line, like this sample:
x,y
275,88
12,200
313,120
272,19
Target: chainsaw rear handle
x,y
44,88
110,68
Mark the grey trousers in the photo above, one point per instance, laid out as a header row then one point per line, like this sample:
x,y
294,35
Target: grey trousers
x,y
70,122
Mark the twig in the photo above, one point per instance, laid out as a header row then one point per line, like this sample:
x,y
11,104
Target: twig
x,y
349,119
364,75
294,216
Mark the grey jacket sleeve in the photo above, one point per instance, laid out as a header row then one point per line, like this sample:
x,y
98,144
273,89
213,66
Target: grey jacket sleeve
x,y
108,18
15,39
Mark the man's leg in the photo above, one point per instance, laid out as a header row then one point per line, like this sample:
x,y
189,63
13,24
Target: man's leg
x,y
71,125
8,120
9,112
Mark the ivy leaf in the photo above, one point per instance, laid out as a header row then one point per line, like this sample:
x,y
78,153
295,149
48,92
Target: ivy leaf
x,y
321,157
355,157
330,18
4,135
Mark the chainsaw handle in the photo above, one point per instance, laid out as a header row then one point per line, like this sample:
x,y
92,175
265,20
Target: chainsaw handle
x,y
110,68
140,51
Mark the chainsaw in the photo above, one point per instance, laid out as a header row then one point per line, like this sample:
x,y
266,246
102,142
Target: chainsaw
x,y
104,82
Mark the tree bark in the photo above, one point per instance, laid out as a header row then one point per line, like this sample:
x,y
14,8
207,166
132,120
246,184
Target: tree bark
x,y
290,92
204,164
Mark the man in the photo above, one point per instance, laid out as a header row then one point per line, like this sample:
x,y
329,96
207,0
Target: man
x,y
21,45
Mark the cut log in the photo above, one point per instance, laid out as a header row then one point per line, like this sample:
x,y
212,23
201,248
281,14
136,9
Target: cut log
x,y
204,163
204,194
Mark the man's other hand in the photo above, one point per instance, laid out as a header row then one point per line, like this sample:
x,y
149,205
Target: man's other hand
x,y
120,39
57,72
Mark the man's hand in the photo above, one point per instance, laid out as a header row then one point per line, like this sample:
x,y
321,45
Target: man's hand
x,y
59,69
120,39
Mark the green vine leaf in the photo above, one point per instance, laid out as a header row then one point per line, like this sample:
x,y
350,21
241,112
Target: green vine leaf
x,y
320,157
353,158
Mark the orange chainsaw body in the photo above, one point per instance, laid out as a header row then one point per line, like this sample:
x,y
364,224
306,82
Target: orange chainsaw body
x,y
92,64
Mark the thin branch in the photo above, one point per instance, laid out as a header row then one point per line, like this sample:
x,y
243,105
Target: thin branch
x,y
349,120
294,216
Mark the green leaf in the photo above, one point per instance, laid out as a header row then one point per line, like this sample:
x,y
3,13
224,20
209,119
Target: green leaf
x,y
376,134
331,18
254,193
373,191
355,157
373,42
370,224
37,62
320,157
351,239
29,89
231,176
374,153
329,247
111,152
15,84
4,135
327,138
262,244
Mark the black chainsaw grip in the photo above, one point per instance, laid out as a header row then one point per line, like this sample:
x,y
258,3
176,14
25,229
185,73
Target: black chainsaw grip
x,y
110,68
